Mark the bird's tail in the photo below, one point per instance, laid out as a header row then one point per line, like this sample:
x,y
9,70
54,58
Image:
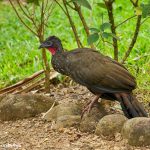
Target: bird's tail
x,y
131,107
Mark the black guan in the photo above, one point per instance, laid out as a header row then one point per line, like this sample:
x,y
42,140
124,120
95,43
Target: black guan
x,y
103,76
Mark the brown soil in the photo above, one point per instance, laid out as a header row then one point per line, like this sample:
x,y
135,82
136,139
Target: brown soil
x,y
37,134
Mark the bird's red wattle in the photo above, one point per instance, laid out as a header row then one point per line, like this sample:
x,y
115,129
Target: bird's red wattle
x,y
52,50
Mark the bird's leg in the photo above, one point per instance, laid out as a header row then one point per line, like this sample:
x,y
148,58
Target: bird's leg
x,y
90,105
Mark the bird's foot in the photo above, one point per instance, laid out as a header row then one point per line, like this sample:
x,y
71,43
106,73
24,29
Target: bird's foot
x,y
87,109
89,106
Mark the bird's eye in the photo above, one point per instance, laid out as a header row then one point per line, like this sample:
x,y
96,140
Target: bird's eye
x,y
49,43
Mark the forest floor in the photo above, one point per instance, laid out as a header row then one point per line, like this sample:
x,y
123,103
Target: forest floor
x,y
37,134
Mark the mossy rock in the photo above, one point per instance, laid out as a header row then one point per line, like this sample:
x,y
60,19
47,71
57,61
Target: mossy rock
x,y
137,131
110,125
19,106
62,110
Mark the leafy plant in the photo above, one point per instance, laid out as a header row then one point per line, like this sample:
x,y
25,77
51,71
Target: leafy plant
x,y
108,6
37,24
71,21
84,3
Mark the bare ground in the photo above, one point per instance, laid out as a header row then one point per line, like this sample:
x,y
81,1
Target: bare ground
x,y
37,134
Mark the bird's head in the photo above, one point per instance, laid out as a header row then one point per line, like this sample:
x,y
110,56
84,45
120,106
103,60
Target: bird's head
x,y
53,44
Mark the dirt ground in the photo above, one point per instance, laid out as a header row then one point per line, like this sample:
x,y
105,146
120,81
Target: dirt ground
x,y
37,134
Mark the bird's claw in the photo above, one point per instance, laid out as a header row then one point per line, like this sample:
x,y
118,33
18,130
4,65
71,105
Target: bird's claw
x,y
86,109
89,106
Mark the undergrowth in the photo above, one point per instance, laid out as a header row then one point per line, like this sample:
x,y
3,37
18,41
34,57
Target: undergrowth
x,y
20,57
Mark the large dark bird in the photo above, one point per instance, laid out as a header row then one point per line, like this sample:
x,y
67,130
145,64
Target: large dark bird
x,y
103,76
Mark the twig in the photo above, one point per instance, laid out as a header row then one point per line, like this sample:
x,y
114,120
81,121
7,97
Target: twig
x,y
61,7
30,87
29,16
86,28
135,4
145,20
41,38
21,19
109,6
105,41
46,4
44,114
125,21
137,29
71,22
49,11
72,25
135,35
71,6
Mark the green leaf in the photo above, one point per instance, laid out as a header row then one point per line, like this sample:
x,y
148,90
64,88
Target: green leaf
x,y
102,5
145,9
84,3
36,2
105,26
106,35
94,30
113,35
92,38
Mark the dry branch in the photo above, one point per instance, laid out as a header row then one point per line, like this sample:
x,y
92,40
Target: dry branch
x,y
21,83
30,87
29,83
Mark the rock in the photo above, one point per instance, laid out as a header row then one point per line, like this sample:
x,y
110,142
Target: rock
x,y
110,125
68,121
19,106
89,121
62,110
137,131
1,97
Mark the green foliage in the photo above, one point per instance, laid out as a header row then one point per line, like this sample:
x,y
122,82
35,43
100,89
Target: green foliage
x,y
20,57
102,5
95,30
84,3
105,26
145,9
36,2
102,32
92,38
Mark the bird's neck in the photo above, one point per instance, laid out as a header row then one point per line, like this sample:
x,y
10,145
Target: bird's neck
x,y
52,50
56,50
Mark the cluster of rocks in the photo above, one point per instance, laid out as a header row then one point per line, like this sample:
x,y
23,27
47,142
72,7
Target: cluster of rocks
x,y
114,126
108,126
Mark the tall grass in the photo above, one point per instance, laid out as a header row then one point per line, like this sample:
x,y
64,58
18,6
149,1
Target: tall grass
x,y
20,57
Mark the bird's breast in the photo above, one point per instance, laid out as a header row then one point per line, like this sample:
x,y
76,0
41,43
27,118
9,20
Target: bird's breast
x,y
58,64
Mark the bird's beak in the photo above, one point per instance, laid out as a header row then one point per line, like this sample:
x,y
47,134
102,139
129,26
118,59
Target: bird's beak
x,y
45,44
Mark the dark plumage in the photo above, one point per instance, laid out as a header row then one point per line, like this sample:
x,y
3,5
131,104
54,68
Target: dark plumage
x,y
103,76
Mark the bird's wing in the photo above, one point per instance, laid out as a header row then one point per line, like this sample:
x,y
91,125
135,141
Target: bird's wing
x,y
98,72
